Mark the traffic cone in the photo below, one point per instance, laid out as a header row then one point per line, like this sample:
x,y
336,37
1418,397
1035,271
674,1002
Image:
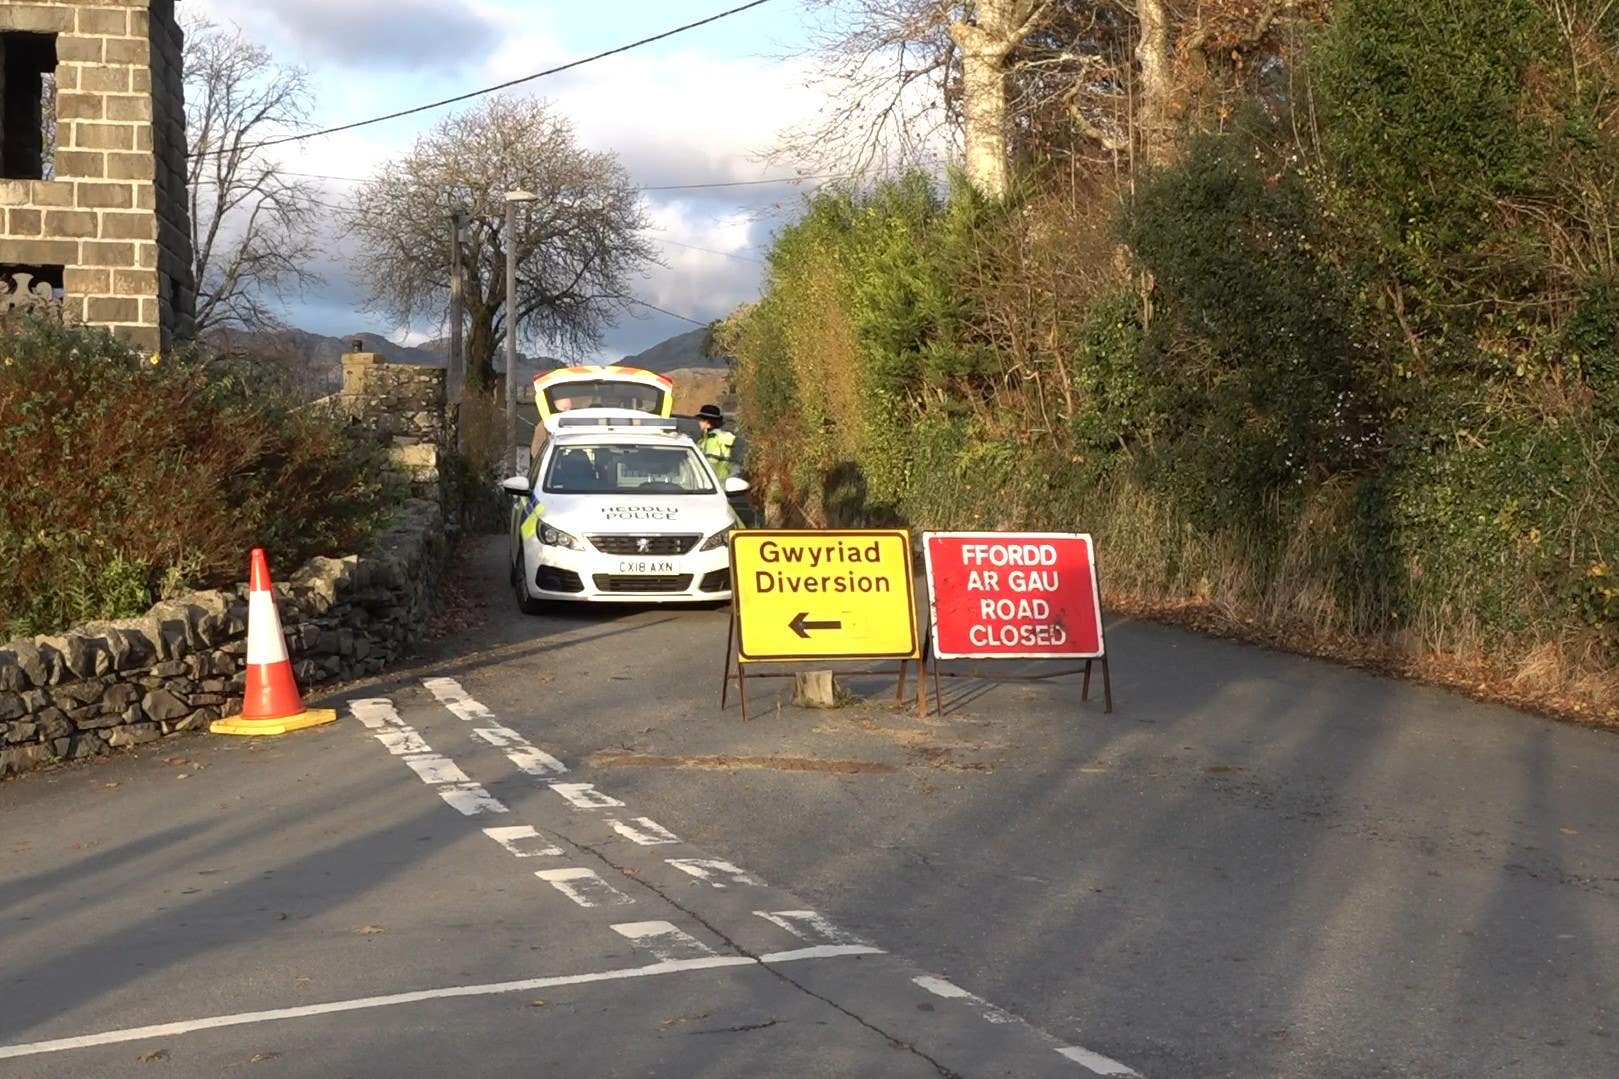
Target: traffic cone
x,y
271,704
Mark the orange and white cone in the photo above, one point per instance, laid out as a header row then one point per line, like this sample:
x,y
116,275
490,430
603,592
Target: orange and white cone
x,y
271,703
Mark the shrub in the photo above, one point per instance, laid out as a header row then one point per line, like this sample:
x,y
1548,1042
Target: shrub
x,y
121,478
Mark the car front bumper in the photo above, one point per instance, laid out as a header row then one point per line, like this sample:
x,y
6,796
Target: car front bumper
x,y
566,575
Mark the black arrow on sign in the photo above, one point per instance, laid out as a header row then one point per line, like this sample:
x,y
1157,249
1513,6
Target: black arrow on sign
x,y
801,626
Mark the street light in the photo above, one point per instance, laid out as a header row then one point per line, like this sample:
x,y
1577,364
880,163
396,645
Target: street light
x,y
512,199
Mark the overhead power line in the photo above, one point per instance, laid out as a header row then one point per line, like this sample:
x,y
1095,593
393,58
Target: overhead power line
x,y
663,311
646,187
304,135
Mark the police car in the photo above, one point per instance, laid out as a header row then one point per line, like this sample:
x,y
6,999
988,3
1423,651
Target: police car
x,y
619,507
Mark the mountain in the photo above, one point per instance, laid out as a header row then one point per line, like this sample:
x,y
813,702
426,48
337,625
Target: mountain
x,y
682,352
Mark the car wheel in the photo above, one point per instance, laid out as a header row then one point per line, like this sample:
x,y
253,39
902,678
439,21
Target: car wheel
x,y
525,602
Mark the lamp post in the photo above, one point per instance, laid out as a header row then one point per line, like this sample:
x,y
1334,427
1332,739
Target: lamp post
x,y
512,199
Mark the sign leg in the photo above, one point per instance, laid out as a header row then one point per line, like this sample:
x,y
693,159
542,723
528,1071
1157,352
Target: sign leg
x,y
730,653
1085,690
1107,685
904,669
742,688
922,680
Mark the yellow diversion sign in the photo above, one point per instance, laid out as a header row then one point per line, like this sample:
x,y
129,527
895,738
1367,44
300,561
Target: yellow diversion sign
x,y
824,594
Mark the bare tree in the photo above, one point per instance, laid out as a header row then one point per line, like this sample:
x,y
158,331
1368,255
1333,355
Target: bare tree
x,y
577,247
1022,80
251,223
910,75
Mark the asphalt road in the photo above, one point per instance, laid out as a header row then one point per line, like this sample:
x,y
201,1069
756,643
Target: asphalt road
x,y
1258,865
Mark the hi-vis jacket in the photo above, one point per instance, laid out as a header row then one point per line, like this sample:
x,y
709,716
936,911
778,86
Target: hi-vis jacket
x,y
717,446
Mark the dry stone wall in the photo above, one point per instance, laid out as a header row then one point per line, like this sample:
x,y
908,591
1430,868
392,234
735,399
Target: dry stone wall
x,y
99,687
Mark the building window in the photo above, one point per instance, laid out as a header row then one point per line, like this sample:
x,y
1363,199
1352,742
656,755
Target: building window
x,y
27,106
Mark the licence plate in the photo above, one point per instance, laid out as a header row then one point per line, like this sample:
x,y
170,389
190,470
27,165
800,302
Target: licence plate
x,y
645,568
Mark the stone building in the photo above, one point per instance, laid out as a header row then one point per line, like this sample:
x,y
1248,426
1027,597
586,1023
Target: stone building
x,y
93,190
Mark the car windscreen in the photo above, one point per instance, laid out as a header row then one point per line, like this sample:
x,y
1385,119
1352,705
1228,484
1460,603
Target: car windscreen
x,y
604,393
627,470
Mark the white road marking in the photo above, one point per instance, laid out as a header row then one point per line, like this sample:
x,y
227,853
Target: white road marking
x,y
820,951
436,769
585,887
528,985
457,700
585,795
1096,1062
649,834
705,869
528,758
402,741
809,925
470,799
663,940
534,761
941,988
522,841
375,712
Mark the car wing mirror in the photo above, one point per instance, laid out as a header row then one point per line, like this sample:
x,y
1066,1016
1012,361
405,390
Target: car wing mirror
x,y
517,485
735,485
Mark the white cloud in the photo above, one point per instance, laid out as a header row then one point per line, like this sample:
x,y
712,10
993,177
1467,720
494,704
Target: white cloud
x,y
682,117
369,35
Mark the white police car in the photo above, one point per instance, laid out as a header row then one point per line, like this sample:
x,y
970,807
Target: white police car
x,y
619,507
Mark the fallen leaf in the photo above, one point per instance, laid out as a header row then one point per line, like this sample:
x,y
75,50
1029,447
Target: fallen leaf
x,y
259,1058
537,1003
368,930
110,786
1569,831
680,1020
630,872
181,775
174,760
155,1054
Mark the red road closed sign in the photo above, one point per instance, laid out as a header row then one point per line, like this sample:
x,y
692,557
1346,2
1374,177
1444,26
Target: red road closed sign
x,y
1005,595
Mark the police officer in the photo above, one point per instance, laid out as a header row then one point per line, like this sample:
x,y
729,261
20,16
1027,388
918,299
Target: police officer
x,y
717,444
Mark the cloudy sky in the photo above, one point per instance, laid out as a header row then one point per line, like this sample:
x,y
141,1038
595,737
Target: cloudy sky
x,y
696,109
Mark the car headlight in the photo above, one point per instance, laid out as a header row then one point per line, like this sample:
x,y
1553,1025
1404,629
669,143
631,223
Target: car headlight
x,y
717,540
552,536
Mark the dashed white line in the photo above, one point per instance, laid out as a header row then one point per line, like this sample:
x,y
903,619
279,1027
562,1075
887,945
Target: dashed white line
x,y
375,712
523,841
585,796
645,831
941,988
706,869
1097,1063
457,700
663,940
809,925
403,740
585,887
436,769
471,799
